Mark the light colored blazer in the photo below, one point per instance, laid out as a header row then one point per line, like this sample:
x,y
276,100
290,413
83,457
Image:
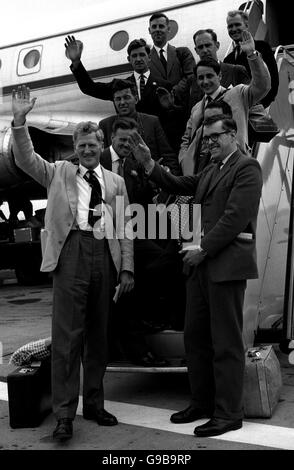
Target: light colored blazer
x,y
60,180
240,98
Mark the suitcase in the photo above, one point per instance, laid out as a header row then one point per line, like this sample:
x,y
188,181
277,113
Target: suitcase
x,y
29,394
263,382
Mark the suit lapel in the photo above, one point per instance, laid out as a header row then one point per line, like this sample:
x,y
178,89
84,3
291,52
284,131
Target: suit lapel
x,y
71,187
109,186
156,62
105,160
171,58
227,167
204,181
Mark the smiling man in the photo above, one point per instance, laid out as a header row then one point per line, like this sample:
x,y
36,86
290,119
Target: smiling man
x,y
237,23
240,98
229,191
125,100
86,267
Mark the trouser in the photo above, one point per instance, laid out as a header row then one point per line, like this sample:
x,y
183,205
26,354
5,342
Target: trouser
x,y
83,286
214,343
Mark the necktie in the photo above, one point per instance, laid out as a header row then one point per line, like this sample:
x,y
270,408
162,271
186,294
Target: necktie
x,y
163,59
216,171
96,197
142,85
120,170
237,51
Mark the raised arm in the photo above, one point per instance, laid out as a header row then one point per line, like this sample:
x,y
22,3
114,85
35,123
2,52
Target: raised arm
x,y
24,154
260,82
100,90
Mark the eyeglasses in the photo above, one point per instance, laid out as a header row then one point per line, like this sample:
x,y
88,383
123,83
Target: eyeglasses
x,y
213,137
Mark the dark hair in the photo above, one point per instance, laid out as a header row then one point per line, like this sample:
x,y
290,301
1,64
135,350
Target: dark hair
x,y
207,63
225,107
159,14
119,85
203,31
86,128
125,124
229,124
136,43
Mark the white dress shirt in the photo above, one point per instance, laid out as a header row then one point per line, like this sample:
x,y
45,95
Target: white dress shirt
x,y
138,77
84,196
115,159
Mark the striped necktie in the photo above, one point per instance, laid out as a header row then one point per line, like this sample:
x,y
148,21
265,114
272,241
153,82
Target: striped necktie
x,y
163,59
120,170
142,85
96,197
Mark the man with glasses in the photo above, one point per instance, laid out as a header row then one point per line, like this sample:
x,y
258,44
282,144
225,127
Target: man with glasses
x,y
229,191
240,98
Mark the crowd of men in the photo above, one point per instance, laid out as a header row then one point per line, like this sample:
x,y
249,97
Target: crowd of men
x,y
180,129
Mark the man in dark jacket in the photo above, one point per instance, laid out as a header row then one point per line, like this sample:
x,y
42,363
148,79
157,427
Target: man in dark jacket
x,y
237,21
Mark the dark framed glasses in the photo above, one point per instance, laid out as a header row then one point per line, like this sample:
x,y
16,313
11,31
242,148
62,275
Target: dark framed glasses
x,y
213,137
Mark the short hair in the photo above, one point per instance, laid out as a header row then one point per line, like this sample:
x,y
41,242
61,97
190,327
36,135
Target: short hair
x,y
209,62
159,14
124,123
228,123
204,31
86,128
225,107
136,43
243,14
119,85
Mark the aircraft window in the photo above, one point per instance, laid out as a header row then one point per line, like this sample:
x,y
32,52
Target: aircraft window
x,y
174,27
31,59
119,40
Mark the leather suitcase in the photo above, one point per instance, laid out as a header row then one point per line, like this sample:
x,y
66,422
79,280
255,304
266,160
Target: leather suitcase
x,y
29,394
263,382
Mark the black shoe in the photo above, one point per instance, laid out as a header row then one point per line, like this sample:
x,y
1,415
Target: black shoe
x,y
217,426
63,430
101,417
149,360
188,415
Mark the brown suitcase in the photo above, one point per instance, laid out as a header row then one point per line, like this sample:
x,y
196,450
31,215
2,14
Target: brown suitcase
x,y
263,382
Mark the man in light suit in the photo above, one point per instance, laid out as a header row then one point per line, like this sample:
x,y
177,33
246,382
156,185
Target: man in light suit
x,y
207,46
125,100
87,249
229,191
240,98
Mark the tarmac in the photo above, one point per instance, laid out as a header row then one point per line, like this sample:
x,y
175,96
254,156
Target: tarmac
x,y
142,402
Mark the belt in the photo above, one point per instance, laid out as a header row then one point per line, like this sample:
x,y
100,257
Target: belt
x,y
84,233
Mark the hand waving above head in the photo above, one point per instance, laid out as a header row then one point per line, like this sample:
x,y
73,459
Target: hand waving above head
x,y
22,104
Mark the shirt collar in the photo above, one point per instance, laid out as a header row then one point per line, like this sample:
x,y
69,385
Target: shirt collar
x,y
114,155
83,170
158,49
138,75
215,94
227,158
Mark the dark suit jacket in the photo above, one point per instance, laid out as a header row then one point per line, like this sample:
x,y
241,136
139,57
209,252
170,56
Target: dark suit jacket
x,y
231,75
139,188
269,58
153,135
229,207
180,64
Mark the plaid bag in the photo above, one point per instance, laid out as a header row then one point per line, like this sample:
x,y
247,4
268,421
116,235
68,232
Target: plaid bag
x,y
34,351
